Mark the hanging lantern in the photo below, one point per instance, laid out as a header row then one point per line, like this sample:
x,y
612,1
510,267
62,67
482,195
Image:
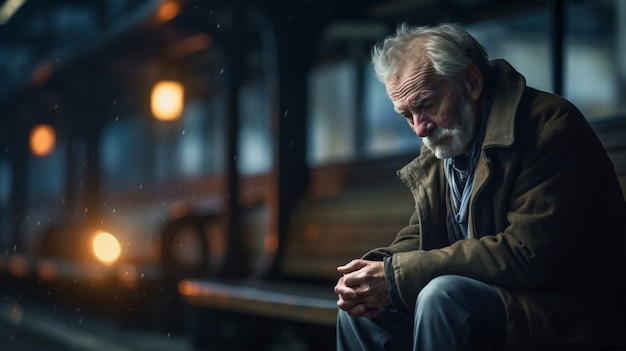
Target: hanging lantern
x,y
167,100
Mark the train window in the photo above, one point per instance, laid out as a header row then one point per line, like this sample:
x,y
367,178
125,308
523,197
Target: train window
x,y
595,53
255,146
386,133
191,147
120,153
592,47
331,129
200,140
523,39
46,175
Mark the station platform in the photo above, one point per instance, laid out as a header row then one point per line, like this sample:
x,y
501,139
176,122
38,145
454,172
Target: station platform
x,y
34,326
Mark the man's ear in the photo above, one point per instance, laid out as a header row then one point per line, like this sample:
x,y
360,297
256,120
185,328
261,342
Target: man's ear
x,y
473,81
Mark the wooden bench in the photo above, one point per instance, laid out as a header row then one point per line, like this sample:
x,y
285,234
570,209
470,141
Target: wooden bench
x,y
270,299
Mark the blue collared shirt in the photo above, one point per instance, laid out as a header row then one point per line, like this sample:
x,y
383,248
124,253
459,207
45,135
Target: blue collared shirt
x,y
460,173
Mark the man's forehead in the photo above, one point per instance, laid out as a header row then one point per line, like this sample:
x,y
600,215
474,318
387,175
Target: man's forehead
x,y
412,75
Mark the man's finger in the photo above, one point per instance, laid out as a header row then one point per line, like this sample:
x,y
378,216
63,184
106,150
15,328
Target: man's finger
x,y
352,266
345,291
357,311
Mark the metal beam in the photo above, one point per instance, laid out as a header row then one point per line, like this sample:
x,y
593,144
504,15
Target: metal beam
x,y
558,37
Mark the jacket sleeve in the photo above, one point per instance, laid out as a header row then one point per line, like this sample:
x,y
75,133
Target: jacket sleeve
x,y
407,240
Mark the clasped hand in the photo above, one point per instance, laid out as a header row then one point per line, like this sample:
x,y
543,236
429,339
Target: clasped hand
x,y
362,290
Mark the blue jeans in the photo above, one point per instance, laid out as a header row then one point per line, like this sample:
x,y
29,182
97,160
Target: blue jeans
x,y
451,313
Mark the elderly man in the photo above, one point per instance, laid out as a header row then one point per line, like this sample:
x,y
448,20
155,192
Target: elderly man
x,y
518,239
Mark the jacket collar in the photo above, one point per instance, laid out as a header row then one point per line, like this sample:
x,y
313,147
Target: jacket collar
x,y
508,91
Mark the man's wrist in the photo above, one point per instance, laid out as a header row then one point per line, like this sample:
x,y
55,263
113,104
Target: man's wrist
x,y
392,287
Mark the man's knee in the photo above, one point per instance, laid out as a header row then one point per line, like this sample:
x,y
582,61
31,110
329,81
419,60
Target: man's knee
x,y
461,303
343,319
453,295
441,289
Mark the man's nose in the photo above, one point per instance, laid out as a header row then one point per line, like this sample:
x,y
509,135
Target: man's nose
x,y
422,125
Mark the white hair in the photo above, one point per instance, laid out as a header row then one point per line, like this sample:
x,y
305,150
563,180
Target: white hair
x,y
448,46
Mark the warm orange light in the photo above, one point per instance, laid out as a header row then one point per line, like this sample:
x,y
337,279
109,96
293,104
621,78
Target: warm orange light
x,y
41,73
106,247
46,270
17,266
42,140
167,100
168,11
188,288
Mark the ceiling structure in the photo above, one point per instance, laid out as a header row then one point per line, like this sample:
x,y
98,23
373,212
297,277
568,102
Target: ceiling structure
x,y
57,32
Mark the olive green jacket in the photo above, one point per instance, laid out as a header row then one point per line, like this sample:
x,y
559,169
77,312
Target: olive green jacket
x,y
547,223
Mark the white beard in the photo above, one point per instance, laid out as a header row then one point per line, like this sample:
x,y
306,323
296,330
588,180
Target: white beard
x,y
454,141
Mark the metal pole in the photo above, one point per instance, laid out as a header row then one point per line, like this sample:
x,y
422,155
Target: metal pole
x,y
558,29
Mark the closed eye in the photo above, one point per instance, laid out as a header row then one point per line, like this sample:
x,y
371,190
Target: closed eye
x,y
429,106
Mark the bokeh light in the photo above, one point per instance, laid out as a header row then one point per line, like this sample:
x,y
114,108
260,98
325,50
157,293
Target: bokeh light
x,y
106,247
42,140
167,100
168,11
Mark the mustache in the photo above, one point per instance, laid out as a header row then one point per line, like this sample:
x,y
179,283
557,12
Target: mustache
x,y
438,134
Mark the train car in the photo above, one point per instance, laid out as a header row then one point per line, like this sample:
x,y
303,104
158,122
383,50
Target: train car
x,y
225,212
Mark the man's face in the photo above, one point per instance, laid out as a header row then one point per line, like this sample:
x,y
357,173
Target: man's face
x,y
439,112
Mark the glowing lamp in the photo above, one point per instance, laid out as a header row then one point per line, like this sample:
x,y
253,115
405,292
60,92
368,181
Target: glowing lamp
x,y
106,247
42,140
167,100
168,11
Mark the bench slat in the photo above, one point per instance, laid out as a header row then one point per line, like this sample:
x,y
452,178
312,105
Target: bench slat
x,y
312,305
